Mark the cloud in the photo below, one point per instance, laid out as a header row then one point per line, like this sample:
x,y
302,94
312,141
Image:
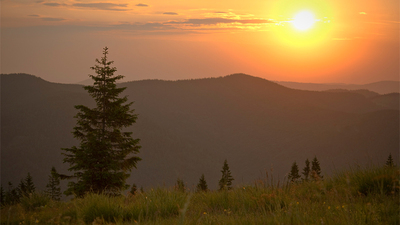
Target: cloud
x,y
103,6
140,26
141,5
52,4
211,21
171,13
363,13
34,15
52,19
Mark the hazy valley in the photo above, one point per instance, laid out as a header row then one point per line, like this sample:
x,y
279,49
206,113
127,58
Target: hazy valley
x,y
190,127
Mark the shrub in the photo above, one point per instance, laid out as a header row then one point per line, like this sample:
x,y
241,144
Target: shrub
x,y
94,206
34,200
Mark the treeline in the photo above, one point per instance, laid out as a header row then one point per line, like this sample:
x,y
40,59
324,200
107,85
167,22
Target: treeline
x,y
26,189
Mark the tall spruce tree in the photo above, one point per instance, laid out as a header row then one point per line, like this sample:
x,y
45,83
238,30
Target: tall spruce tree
x,y
294,173
225,183
106,154
316,169
306,171
202,185
53,189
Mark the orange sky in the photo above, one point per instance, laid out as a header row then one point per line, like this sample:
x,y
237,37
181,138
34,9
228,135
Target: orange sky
x,y
350,41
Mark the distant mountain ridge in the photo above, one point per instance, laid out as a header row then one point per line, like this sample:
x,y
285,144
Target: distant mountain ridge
x,y
190,127
381,87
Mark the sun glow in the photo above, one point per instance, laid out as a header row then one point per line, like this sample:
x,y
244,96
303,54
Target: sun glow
x,y
303,20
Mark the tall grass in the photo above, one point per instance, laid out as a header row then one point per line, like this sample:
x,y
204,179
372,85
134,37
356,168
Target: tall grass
x,y
356,196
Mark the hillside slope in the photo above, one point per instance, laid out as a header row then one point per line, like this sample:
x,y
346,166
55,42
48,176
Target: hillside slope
x,y
190,127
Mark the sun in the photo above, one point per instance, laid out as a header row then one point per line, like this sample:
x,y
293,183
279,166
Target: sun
x,y
303,20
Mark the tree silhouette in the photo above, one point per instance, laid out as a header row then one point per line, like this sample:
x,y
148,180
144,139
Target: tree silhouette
x,y
294,173
306,170
316,169
2,195
180,185
133,189
105,156
53,186
225,183
202,185
389,161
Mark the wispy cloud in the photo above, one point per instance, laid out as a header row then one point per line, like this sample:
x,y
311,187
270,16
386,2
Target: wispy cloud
x,y
52,19
170,13
53,4
141,5
103,6
210,21
47,18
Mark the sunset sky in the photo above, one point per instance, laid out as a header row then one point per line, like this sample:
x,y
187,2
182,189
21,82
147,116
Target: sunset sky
x,y
346,41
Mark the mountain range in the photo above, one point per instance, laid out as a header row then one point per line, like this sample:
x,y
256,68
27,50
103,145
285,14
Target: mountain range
x,y
189,127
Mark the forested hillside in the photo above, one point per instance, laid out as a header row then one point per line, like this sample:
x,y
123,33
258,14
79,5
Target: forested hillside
x,y
190,127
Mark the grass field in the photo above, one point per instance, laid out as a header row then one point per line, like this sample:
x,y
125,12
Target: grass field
x,y
357,196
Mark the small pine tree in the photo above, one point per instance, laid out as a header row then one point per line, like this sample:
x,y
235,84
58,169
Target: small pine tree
x,y
180,185
30,187
306,171
141,189
133,189
316,169
294,173
2,195
225,183
202,185
53,189
389,161
11,196
21,189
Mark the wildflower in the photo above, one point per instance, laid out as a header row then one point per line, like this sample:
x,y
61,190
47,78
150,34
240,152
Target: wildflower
x,y
37,221
343,206
329,207
297,203
204,213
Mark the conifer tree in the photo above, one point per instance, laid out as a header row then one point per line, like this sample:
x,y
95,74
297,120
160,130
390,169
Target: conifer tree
x,y
11,196
180,185
225,183
29,186
306,170
202,185
294,173
389,161
2,195
133,189
106,154
21,189
316,169
53,189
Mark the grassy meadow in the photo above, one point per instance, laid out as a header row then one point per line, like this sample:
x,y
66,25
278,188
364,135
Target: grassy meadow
x,y
356,196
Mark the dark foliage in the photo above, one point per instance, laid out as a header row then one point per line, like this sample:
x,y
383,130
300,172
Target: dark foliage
x,y
202,185
316,169
106,153
306,171
294,173
225,183
53,189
